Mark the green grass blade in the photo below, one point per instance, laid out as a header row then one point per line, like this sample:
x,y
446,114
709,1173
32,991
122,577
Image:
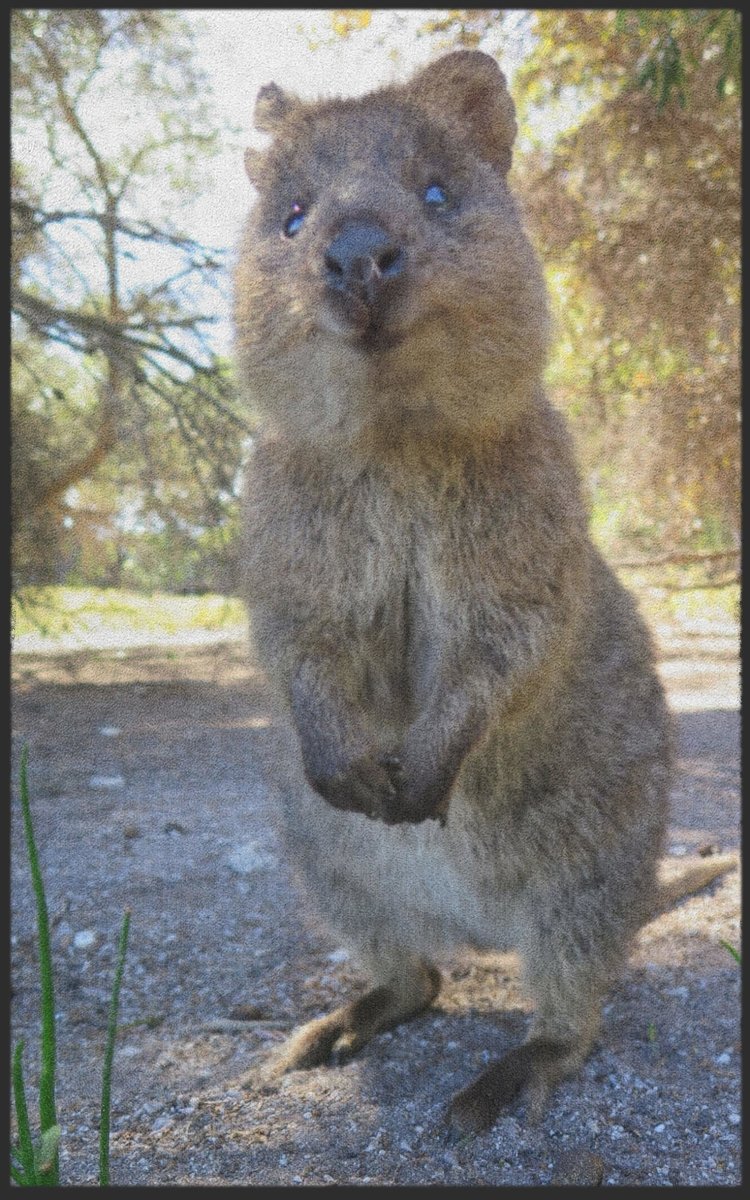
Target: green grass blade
x,y
109,1054
47,1150
732,950
25,1144
47,1112
20,1179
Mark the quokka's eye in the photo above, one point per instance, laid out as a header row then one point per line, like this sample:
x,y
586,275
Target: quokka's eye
x,y
435,196
293,223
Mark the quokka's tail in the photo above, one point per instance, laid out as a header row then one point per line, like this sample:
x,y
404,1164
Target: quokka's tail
x,y
681,877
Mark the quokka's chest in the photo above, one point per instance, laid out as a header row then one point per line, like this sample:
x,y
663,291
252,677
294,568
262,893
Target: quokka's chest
x,y
357,548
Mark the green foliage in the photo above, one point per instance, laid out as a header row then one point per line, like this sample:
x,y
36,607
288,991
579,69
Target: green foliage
x,y
733,951
103,614
120,400
677,42
24,1171
109,1053
129,437
635,207
45,1163
37,1164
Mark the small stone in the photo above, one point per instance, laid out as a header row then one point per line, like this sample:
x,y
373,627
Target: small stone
x,y
84,939
578,1166
660,1127
106,781
678,850
250,857
734,1118
110,731
723,1059
148,1109
339,956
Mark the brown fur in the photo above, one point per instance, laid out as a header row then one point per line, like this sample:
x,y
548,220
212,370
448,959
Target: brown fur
x,y
441,632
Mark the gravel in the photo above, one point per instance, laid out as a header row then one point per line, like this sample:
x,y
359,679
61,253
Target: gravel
x,y
224,958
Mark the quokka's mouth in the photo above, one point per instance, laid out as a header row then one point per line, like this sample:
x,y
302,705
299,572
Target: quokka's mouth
x,y
372,335
371,327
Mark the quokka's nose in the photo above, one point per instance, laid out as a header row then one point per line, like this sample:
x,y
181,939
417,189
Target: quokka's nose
x,y
363,260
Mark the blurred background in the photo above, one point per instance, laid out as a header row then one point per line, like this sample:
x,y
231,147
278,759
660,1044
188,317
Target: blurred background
x,y
129,428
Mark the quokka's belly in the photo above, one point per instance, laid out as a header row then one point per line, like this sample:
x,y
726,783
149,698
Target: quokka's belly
x,y
431,888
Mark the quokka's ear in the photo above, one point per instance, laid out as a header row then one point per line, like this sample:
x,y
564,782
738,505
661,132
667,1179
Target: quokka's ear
x,y
468,85
272,106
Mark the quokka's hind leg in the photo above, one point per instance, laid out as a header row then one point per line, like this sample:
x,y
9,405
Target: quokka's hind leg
x,y
535,1068
403,985
568,970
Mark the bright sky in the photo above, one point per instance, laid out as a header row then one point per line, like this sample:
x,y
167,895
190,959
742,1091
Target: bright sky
x,y
243,49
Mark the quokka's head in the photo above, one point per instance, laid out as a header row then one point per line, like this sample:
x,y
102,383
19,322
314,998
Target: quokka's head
x,y
384,276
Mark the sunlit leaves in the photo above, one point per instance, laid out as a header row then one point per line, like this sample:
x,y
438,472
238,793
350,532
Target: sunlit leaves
x,y
636,209
677,44
345,21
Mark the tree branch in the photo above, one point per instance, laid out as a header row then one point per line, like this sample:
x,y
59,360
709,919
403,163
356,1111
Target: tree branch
x,y
106,437
66,105
151,147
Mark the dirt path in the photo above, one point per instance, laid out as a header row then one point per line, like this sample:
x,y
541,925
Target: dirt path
x,y
146,791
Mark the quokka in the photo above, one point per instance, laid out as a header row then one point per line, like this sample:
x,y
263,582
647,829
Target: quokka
x,y
479,748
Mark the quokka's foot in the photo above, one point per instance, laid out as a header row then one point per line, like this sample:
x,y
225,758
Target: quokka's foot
x,y
338,1036
534,1068
324,1040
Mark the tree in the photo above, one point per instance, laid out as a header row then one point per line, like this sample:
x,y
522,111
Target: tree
x,y
111,299
637,209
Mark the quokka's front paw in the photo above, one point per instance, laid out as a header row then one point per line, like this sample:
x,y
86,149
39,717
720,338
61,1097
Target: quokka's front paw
x,y
421,793
384,788
365,785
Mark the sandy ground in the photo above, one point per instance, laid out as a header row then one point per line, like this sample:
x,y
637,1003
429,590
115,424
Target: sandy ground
x,y
147,791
